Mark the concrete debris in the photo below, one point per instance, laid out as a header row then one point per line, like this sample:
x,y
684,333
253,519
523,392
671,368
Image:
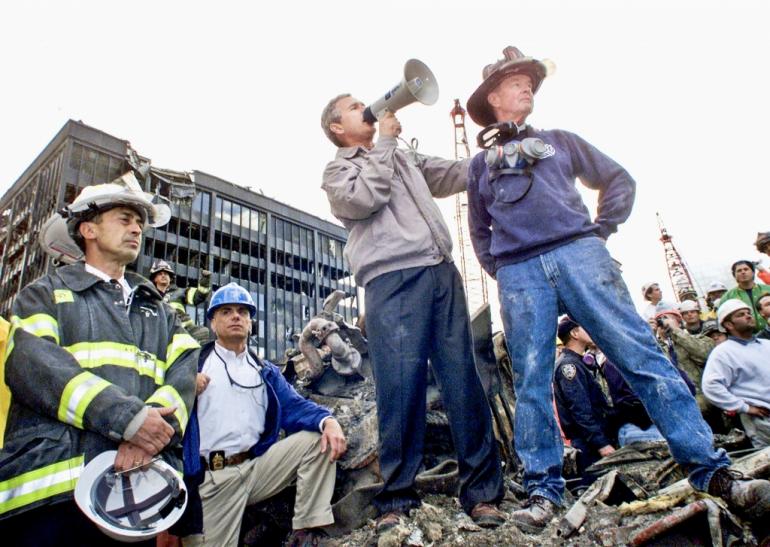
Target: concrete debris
x,y
640,495
599,491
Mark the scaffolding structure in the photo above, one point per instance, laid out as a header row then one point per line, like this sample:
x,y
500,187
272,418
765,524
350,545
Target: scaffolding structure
x,y
681,280
474,277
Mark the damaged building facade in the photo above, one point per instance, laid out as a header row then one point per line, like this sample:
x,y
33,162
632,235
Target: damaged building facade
x,y
289,260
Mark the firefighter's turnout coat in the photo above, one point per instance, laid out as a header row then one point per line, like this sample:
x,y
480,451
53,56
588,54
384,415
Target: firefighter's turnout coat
x,y
80,365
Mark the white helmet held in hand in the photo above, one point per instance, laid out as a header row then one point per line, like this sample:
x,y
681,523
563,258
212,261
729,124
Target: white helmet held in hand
x,y
134,505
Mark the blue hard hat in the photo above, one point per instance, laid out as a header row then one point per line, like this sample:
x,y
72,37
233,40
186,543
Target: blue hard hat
x,y
232,293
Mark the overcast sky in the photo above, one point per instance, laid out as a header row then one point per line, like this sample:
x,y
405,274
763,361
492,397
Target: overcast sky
x,y
677,92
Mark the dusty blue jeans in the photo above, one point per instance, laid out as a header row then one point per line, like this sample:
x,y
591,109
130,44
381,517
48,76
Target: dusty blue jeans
x,y
581,279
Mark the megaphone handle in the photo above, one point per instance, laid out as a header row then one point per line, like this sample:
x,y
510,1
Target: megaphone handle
x,y
369,116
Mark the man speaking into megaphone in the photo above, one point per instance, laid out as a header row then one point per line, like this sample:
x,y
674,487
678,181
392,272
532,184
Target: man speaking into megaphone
x,y
400,251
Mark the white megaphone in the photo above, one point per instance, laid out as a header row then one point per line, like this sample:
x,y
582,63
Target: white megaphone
x,y
418,84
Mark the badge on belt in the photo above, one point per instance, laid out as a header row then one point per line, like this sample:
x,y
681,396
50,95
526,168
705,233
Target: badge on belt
x,y
217,460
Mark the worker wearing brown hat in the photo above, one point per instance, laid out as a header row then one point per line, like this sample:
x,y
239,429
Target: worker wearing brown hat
x,y
533,233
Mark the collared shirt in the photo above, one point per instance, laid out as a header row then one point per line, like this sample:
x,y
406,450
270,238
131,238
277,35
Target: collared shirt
x,y
101,275
742,341
231,417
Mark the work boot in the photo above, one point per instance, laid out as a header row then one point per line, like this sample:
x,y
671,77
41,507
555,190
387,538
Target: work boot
x,y
750,498
534,514
487,515
389,520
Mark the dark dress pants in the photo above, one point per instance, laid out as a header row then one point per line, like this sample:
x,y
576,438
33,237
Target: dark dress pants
x,y
413,315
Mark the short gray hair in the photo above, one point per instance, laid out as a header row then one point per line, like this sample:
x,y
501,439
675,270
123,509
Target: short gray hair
x,y
332,115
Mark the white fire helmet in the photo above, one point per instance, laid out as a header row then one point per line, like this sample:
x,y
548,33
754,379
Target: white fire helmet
x,y
58,232
134,505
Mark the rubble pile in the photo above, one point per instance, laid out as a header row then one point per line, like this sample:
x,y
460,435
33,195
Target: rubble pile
x,y
640,496
608,513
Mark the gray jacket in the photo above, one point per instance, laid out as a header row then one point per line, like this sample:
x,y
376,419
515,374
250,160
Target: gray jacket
x,y
384,197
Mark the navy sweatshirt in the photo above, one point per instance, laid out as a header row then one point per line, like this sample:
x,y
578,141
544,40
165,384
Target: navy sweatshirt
x,y
552,213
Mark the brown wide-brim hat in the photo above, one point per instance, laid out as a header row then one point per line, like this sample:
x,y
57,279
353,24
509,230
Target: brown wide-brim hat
x,y
514,62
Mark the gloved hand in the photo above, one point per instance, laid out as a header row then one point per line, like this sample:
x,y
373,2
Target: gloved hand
x,y
205,280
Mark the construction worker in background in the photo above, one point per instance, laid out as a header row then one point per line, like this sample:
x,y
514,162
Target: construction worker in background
x,y
687,294
714,292
762,244
711,329
737,375
163,277
234,453
533,233
585,415
688,352
690,310
763,308
747,290
400,250
651,293
95,363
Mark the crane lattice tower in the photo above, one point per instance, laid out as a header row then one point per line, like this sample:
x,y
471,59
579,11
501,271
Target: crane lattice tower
x,y
474,277
678,273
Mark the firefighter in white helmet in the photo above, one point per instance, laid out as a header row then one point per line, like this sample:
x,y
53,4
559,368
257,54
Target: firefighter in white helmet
x,y
95,363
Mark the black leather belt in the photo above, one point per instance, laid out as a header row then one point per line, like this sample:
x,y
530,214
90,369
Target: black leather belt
x,y
217,459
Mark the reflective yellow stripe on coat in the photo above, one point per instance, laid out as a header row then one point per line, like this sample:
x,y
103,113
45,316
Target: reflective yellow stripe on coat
x,y
179,344
40,484
77,395
167,396
39,324
97,354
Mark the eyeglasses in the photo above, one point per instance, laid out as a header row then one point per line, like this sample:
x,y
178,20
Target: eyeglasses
x,y
233,382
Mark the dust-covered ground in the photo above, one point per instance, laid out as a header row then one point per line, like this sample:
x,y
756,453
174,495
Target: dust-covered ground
x,y
441,522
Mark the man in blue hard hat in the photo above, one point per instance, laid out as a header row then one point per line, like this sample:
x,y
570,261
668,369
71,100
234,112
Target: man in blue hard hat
x,y
233,455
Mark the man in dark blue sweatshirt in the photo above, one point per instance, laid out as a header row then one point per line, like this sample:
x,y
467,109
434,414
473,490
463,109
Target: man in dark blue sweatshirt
x,y
533,233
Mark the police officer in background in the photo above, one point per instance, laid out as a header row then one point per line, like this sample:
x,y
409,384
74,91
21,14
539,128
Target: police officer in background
x,y
584,412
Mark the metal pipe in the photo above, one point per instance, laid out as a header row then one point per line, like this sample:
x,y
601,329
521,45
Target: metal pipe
x,y
668,522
